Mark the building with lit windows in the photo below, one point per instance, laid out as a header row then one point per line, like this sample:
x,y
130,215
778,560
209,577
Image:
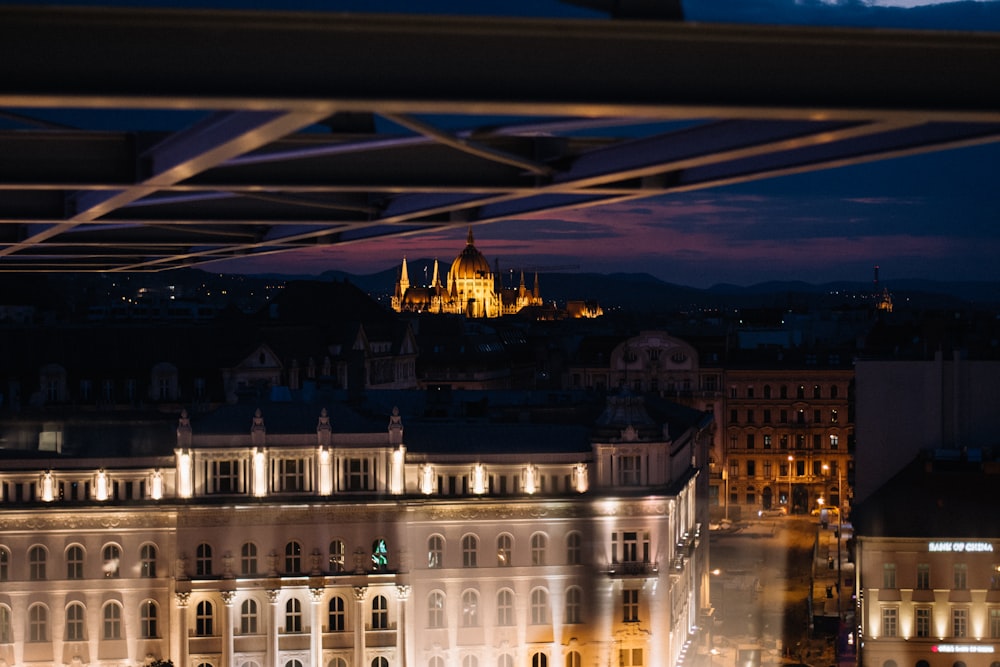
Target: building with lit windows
x,y
928,564
788,431
325,545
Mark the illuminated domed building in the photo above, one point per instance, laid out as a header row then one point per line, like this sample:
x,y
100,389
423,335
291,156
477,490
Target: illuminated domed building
x,y
470,289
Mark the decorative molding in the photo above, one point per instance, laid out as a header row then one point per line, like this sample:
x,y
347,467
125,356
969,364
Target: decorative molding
x,y
183,597
46,519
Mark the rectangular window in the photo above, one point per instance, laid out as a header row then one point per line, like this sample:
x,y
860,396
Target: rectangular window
x,y
889,618
630,606
923,621
629,470
816,418
767,469
751,468
767,441
225,476
291,474
834,441
357,474
750,416
751,498
734,468
995,623
888,575
923,576
817,441
750,441
959,623
733,416
630,657
961,576
783,416
749,392
833,416
767,416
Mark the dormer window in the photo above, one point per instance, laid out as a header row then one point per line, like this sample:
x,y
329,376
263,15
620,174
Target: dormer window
x,y
629,470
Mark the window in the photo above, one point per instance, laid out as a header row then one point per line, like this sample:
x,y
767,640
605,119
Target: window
x,y
834,416
112,614
225,476
817,441
574,549
749,392
74,562
629,469
380,613
889,618
751,441
505,607
378,661
111,556
75,616
539,660
293,557
203,560
38,623
767,391
630,605
36,563
573,659
6,632
734,468
4,564
538,543
574,604
750,416
435,610
203,619
767,469
337,555
435,552
995,623
436,661
631,546
293,663
338,662
505,660
380,555
291,475
337,614
800,392
248,558
470,609
470,549
147,561
539,606
961,576
834,442
922,621
630,657
147,620
293,615
357,474
959,623
888,575
470,661
767,441
751,468
923,576
248,617
505,547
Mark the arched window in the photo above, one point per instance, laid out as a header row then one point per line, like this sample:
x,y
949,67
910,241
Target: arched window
x,y
248,617
337,620
574,604
435,610
380,613
436,661
889,663
112,625
293,615
293,663
337,662
36,563
923,663
380,661
4,564
6,632
38,623
75,622
203,560
505,607
538,544
505,550
293,558
539,606
203,619
435,552
470,551
834,391
470,609
470,661
767,394
249,663
337,556
112,557
147,561
248,559
539,660
505,660
573,657
74,562
148,613
574,548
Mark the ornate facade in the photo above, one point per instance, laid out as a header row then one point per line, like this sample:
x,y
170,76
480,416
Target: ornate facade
x,y
469,289
266,549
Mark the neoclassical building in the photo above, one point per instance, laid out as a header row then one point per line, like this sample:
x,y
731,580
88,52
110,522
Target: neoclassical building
x,y
471,288
321,548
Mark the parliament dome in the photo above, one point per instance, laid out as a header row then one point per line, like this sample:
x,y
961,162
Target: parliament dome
x,y
470,263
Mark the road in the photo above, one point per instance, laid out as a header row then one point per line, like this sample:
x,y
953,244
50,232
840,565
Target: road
x,y
761,581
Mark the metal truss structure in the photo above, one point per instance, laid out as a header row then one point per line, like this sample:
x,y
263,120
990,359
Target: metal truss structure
x,y
145,140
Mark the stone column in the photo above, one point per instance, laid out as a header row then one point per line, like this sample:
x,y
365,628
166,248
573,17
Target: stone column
x,y
316,628
182,626
402,595
360,593
271,657
227,627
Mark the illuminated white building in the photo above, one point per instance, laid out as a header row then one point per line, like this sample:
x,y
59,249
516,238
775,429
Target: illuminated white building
x,y
928,565
334,549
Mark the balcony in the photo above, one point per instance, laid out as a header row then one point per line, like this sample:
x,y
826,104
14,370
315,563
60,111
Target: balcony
x,y
633,569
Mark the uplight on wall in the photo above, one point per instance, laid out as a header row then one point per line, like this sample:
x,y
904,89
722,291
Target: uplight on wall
x,y
325,472
427,479
48,487
259,473
530,479
396,473
156,485
101,485
479,478
185,474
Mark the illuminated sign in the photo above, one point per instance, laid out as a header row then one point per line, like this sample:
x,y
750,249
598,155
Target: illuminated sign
x,y
961,648
961,546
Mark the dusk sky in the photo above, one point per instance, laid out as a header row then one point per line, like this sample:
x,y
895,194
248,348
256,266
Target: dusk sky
x,y
932,216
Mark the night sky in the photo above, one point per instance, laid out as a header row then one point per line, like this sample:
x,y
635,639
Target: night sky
x,y
934,216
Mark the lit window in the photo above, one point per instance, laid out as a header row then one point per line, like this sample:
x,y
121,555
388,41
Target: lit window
x,y
505,548
248,617
889,618
74,562
380,555
539,606
112,621
505,660
112,556
293,615
435,552
505,607
470,609
574,604
380,613
435,610
75,617
338,553
470,550
337,612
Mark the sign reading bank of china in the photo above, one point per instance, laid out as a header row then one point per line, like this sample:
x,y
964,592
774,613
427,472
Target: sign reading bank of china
x,y
959,547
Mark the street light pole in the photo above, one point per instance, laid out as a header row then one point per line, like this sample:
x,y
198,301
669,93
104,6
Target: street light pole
x,y
791,459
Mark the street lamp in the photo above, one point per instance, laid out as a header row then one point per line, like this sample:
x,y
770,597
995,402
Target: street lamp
x,y
791,459
840,529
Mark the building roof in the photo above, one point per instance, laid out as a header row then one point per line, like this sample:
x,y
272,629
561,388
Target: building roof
x,y
942,494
